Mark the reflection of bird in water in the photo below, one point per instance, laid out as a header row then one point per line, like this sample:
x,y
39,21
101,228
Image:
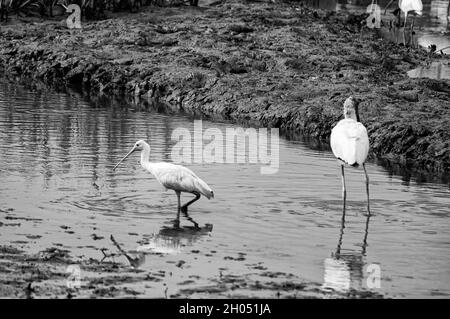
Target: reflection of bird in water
x,y
448,15
350,143
171,240
345,271
172,176
406,6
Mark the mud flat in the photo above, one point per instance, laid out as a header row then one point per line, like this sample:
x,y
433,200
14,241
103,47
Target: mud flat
x,y
45,275
105,267
113,271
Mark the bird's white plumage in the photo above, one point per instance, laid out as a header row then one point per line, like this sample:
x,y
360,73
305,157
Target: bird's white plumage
x,y
410,5
170,176
350,142
177,178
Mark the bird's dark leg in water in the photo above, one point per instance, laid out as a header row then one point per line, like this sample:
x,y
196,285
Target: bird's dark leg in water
x,y
404,27
184,208
399,24
412,33
367,189
176,222
364,245
344,190
341,235
448,15
189,218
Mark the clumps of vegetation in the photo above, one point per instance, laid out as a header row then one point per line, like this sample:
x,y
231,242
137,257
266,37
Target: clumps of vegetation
x,y
3,10
16,6
90,9
195,80
27,8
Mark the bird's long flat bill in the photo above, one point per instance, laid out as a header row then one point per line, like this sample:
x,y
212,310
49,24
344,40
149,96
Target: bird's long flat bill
x,y
129,153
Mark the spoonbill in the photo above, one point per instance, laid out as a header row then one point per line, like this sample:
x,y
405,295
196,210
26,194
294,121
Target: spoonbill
x,y
350,143
405,6
171,176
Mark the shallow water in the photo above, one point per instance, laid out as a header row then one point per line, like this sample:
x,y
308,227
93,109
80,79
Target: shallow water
x,y
58,189
435,70
433,27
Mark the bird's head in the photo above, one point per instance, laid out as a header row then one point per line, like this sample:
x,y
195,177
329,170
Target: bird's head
x,y
138,146
351,108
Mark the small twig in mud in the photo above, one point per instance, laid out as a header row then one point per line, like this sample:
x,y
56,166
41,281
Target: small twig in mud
x,y
96,237
120,248
134,262
105,255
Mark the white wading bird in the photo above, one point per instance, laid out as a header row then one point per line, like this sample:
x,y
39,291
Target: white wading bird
x,y
350,143
172,176
405,6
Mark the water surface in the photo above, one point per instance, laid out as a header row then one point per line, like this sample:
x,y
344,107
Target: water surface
x,y
58,187
436,70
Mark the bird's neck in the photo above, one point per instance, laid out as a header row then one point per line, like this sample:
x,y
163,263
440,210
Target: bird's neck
x,y
145,158
350,115
354,115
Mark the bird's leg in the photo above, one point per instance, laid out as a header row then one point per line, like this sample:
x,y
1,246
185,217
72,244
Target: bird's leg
x,y
404,27
176,222
397,31
367,189
184,208
189,218
398,26
412,31
341,234
366,233
344,190
344,195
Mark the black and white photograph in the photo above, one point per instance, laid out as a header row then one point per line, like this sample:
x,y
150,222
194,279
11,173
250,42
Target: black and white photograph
x,y
231,150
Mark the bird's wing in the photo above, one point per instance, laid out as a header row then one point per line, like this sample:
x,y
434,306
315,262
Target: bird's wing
x,y
350,142
337,140
180,178
362,143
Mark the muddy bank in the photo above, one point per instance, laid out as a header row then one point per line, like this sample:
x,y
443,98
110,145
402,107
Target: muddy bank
x,y
111,266
50,274
270,64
